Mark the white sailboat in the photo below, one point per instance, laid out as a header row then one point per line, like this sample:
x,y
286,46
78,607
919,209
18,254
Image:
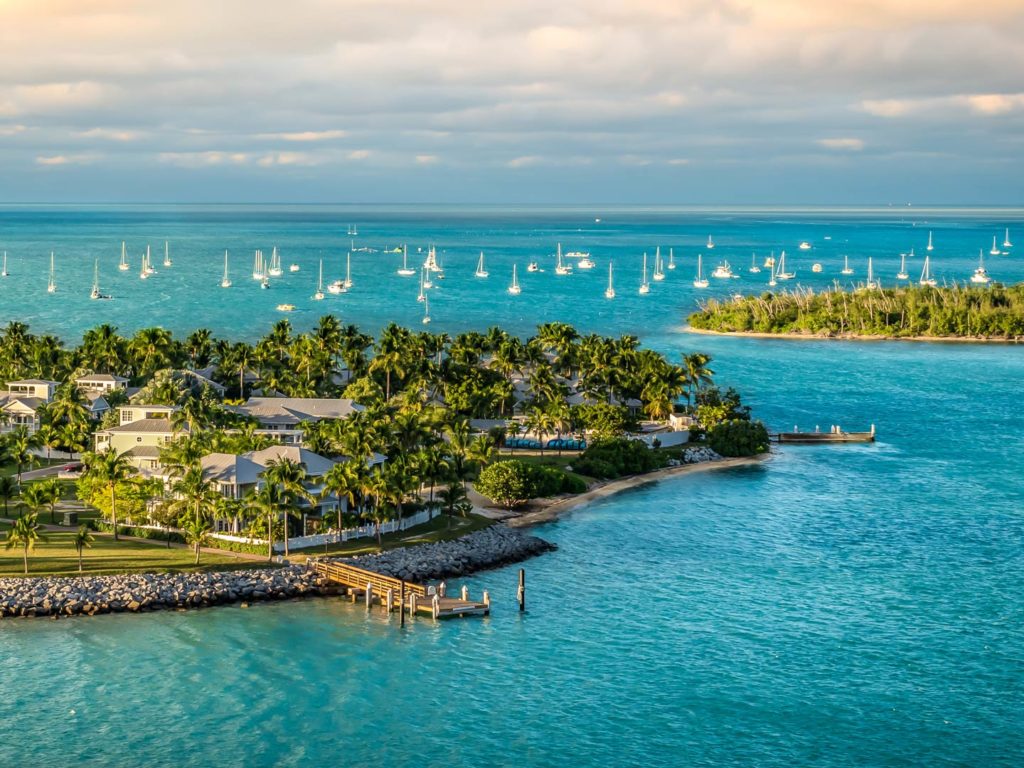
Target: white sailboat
x,y
405,271
926,273
903,274
275,264
609,292
871,284
167,254
930,246
480,271
560,268
123,266
659,273
711,243
431,262
1006,239
421,295
981,276
781,273
426,310
348,271
144,268
772,282
257,266
51,287
753,269
700,281
4,273
847,269
149,262
995,248
96,293
225,282
514,287
671,259
319,295
645,287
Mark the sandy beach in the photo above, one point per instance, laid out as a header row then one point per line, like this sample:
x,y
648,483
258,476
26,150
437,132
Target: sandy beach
x,y
544,511
851,337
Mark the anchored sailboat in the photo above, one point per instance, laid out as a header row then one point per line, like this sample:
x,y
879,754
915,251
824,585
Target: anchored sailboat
x,y
257,266
96,293
930,246
700,281
1006,239
348,271
871,283
426,310
903,274
753,268
167,254
514,288
711,243
659,273
981,276
847,269
4,273
671,259
51,287
645,288
995,248
560,268
275,264
926,273
781,273
225,282
609,292
480,271
405,271
319,295
123,266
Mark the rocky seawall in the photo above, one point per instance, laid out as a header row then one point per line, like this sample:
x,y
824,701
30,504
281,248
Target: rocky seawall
x,y
90,595
488,548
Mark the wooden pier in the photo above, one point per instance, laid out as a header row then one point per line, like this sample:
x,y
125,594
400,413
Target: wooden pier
x,y
394,594
835,435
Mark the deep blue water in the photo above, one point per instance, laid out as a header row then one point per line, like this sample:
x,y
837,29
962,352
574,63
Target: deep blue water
x,y
846,606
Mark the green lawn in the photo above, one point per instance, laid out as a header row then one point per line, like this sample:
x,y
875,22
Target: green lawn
x,y
58,556
11,470
435,530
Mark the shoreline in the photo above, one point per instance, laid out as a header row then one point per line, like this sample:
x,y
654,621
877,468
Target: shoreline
x,y
791,336
553,510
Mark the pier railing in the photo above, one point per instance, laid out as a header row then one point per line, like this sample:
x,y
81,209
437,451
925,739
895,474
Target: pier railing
x,y
351,576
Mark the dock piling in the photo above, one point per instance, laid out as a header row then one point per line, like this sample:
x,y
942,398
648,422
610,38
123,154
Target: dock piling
x,y
391,601
369,595
465,593
436,606
401,603
487,600
521,592
412,604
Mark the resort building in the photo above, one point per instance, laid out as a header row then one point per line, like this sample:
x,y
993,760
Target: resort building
x,y
101,383
20,404
142,431
280,417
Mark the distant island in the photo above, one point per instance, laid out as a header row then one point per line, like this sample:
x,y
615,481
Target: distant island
x,y
969,313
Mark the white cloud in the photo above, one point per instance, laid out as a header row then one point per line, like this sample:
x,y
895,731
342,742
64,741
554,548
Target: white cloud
x,y
58,160
288,158
359,154
844,144
111,134
201,159
307,135
427,159
11,130
524,161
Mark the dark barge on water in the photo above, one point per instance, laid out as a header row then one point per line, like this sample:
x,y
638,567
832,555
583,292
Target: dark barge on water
x,y
834,435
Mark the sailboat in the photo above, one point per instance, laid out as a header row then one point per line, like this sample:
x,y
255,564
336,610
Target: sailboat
x,y
995,248
645,287
903,274
926,273
257,266
4,273
123,266
871,284
930,246
533,266
144,269
659,273
405,271
149,262
514,288
480,271
96,293
353,230
781,273
753,269
426,310
1006,239
431,262
847,269
421,295
671,259
700,281
609,292
319,295
560,268
167,254
275,264
51,287
981,276
348,271
711,243
771,275
225,282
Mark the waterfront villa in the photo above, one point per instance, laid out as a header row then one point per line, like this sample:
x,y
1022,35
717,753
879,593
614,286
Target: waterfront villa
x,y
280,417
141,431
101,383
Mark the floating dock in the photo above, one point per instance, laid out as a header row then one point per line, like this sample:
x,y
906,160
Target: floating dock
x,y
835,435
392,594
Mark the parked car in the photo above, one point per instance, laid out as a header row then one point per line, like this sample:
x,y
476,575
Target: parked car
x,y
75,466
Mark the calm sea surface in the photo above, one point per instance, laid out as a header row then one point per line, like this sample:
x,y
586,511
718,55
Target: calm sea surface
x,y
836,606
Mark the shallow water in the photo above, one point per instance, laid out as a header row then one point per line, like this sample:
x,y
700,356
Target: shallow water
x,y
854,605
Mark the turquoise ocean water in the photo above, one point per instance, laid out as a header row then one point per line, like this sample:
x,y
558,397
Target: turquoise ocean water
x,y
834,607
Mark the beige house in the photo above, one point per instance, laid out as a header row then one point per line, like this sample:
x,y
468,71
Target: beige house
x,y
280,417
142,432
101,383
20,404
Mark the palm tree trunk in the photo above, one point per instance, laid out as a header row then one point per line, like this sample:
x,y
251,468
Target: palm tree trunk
x,y
286,536
197,553
113,509
79,560
24,554
270,537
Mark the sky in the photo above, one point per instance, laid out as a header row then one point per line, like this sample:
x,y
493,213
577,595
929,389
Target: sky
x,y
521,101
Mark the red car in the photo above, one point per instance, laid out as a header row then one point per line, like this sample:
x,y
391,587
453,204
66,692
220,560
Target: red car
x,y
76,466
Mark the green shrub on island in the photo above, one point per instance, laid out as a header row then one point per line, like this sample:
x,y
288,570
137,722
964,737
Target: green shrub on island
x,y
513,482
715,406
603,421
956,311
738,437
606,459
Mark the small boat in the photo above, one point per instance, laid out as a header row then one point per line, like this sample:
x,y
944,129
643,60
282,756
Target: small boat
x,y
353,230
847,269
781,273
405,271
480,271
645,287
427,282
560,268
723,271
911,254
285,307
426,310
769,263
225,282
700,281
167,254
981,276
995,249
753,269
871,284
926,273
514,288
265,283
671,259
144,270
930,247
257,266
805,246
149,263
123,266
4,272
421,296
51,287
815,267
96,293
336,287
348,271
711,243
1006,239
275,264
293,267
319,295
609,292
533,266
903,274
585,262
659,273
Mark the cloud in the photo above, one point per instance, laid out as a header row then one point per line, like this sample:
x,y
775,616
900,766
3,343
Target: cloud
x,y
111,134
202,159
995,103
307,135
11,130
524,161
288,158
427,159
57,160
844,144
359,154
678,161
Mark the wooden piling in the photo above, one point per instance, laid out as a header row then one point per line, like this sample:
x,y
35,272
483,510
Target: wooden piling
x,y
465,593
391,601
521,592
369,595
401,602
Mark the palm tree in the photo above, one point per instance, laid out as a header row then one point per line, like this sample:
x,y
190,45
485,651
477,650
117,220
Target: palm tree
x,y
344,481
20,446
8,491
54,493
454,499
35,496
49,436
151,348
83,538
25,533
267,502
197,534
194,494
199,345
103,350
109,469
290,477
698,375
391,355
